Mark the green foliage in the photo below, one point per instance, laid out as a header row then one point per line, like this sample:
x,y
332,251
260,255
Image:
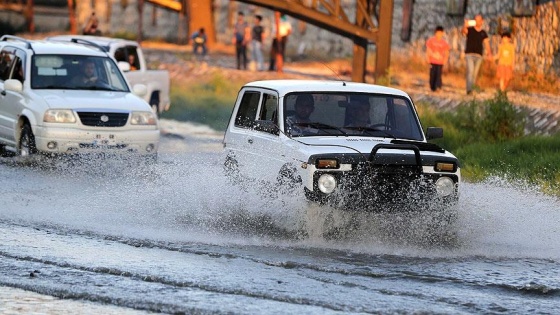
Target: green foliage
x,y
489,121
535,159
495,119
207,103
487,137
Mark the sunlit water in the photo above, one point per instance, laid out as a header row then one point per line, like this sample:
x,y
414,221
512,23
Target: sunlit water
x,y
154,221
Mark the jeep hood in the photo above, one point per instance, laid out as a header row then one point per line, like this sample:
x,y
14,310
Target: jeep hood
x,y
362,144
93,100
319,145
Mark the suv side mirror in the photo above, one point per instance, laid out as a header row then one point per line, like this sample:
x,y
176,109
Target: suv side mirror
x,y
266,126
139,90
13,85
434,133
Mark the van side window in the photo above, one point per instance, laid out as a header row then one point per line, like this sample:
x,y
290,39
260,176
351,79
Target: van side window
x,y
6,61
133,60
247,112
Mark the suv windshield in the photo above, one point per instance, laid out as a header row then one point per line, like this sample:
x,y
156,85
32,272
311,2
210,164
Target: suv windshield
x,y
350,114
76,72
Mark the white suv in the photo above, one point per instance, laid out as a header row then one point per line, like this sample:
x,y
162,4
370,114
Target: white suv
x,y
353,145
70,98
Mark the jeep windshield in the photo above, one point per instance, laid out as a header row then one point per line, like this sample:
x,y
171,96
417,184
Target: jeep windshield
x,y
350,114
75,72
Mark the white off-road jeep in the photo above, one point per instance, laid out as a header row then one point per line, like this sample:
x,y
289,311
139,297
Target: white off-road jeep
x,y
355,146
69,98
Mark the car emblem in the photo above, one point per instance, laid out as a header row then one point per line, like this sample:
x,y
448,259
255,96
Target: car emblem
x,y
104,118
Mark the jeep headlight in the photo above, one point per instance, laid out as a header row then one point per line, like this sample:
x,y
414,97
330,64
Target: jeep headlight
x,y
444,186
326,183
59,116
142,118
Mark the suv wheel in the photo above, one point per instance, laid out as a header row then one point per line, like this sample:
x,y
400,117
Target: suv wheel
x,y
154,103
27,144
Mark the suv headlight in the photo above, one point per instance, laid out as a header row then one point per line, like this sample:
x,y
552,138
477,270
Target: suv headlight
x,y
143,118
59,116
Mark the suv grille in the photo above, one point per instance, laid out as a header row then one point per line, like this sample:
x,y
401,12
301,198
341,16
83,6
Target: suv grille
x,y
101,119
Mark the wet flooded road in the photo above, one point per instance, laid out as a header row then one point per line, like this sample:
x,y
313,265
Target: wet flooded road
x,y
177,237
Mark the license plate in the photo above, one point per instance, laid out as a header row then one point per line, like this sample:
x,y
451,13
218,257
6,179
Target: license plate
x,y
104,140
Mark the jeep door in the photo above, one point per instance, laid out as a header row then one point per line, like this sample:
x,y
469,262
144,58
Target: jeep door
x,y
11,102
254,136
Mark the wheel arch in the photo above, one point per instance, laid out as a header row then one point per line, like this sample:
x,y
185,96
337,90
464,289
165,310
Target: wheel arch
x,y
25,118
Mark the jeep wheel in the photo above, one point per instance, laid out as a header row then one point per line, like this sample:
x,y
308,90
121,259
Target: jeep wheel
x,y
27,146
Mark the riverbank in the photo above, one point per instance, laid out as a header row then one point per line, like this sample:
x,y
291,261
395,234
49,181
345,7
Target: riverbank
x,y
542,108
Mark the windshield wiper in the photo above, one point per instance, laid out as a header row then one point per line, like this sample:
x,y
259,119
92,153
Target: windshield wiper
x,y
50,87
319,125
372,131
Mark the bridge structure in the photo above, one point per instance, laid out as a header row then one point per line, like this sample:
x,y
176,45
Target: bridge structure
x,y
372,24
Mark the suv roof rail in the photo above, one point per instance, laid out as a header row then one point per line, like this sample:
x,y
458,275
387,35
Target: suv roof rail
x,y
79,41
16,38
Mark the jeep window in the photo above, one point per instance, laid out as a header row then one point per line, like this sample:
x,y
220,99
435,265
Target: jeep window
x,y
269,107
18,71
351,114
76,72
268,113
247,111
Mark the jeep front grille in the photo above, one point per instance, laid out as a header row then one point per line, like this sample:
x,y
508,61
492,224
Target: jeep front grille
x,y
102,119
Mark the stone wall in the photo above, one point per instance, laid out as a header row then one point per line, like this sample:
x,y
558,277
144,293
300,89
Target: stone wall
x,y
537,37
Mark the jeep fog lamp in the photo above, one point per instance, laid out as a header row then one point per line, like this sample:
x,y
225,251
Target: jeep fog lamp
x,y
59,116
326,183
444,186
327,163
444,167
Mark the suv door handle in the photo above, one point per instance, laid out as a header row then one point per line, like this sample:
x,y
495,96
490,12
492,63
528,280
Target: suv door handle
x,y
250,141
3,92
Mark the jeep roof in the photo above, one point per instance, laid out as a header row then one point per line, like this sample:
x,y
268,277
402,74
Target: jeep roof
x,y
287,86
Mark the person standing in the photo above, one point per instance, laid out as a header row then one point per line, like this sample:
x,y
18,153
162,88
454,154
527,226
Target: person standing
x,y
477,42
257,37
241,35
279,41
92,26
437,51
506,60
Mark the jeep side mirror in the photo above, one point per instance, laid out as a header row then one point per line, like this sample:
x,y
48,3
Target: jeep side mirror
x,y
434,133
139,90
266,126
